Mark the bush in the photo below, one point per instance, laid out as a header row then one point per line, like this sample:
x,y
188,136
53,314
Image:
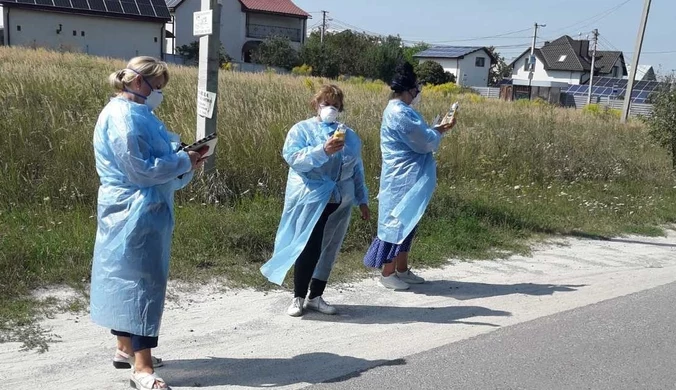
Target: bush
x,y
430,72
446,89
191,52
662,122
600,111
303,70
276,51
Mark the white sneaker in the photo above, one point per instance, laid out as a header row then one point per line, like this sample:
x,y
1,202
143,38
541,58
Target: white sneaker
x,y
393,282
320,305
296,308
409,277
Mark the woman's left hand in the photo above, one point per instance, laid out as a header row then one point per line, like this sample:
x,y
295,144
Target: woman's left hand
x,y
447,126
365,212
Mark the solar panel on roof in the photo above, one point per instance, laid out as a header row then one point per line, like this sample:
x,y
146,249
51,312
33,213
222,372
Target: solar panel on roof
x,y
80,4
130,7
161,8
113,6
97,5
146,8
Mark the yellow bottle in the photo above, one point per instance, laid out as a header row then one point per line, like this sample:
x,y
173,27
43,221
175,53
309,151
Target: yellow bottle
x,y
340,132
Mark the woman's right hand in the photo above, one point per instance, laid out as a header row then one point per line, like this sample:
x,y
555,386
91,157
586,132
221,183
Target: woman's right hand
x,y
333,146
196,159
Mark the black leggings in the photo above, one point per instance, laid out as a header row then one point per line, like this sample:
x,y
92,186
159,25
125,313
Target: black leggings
x,y
308,259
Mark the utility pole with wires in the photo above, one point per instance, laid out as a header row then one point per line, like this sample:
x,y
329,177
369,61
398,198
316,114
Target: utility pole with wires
x,y
531,59
634,62
593,64
323,25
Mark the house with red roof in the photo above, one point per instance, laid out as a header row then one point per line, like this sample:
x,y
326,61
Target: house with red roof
x,y
244,24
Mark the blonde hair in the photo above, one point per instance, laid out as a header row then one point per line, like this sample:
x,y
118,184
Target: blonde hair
x,y
148,67
329,94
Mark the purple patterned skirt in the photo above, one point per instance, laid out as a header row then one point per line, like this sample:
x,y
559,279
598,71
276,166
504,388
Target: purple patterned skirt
x,y
381,252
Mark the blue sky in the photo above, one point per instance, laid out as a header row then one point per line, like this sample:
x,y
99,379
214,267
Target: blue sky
x,y
453,22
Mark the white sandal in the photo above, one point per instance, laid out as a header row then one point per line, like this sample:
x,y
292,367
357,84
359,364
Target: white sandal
x,y
145,381
122,360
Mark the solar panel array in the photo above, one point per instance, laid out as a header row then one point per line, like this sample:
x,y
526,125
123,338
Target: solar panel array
x,y
136,8
617,88
447,51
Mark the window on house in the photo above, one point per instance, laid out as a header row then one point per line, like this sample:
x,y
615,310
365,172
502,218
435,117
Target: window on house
x,y
82,33
480,62
562,58
616,71
525,64
18,28
74,33
156,39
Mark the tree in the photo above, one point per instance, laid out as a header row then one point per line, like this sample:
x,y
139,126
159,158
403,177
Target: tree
x,y
662,122
352,53
276,51
411,51
191,52
431,72
499,70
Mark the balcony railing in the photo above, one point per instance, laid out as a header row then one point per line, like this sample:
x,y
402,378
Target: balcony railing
x,y
259,31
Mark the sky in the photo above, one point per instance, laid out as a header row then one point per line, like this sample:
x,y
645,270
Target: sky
x,y
508,24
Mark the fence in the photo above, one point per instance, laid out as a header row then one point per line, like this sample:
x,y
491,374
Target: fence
x,y
569,100
236,66
488,92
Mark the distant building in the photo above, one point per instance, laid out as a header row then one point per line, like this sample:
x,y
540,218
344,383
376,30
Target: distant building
x,y
244,24
111,28
566,61
643,73
469,65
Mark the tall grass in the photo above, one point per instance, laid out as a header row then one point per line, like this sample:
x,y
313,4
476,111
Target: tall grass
x,y
509,170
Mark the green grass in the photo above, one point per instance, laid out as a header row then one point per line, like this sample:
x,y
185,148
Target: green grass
x,y
509,173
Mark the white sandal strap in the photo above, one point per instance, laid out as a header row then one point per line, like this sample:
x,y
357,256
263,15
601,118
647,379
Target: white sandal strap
x,y
147,381
122,354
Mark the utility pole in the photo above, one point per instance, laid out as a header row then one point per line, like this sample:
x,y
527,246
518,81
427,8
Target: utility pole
x,y
323,25
207,25
634,63
593,64
531,59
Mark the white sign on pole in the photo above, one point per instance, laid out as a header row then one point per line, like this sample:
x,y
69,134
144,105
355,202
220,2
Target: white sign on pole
x,y
205,103
201,23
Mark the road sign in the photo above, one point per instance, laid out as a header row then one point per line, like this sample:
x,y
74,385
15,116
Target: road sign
x,y
202,23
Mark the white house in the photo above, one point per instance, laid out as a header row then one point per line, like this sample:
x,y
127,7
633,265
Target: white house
x,y
469,65
244,24
643,73
111,28
566,61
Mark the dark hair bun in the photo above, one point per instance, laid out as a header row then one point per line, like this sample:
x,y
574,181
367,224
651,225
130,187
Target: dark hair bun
x,y
404,77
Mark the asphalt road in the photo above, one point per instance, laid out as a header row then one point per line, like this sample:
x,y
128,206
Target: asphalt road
x,y
624,343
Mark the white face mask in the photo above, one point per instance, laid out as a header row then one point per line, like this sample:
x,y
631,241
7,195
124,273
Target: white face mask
x,y
154,99
328,114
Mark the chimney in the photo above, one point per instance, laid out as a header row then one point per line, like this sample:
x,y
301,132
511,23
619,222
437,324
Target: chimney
x,y
547,43
584,49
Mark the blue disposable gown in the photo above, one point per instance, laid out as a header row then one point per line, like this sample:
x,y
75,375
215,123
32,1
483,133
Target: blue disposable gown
x,y
409,174
139,169
314,180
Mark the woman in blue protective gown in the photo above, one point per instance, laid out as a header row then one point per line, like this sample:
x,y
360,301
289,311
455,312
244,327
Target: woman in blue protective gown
x,y
407,180
325,181
140,167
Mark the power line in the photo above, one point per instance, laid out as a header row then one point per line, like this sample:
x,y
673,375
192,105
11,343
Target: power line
x,y
595,18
